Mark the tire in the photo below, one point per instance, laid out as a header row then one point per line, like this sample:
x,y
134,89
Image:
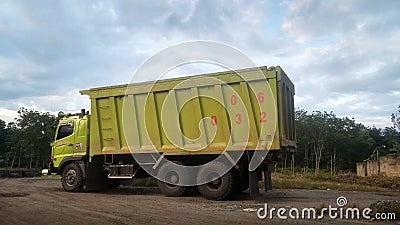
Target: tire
x,y
221,187
168,172
72,178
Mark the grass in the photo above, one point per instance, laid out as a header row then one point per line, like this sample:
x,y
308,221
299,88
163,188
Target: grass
x,y
323,181
53,176
145,182
344,182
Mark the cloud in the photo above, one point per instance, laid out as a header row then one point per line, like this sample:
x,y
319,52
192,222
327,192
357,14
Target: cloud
x,y
343,56
71,102
7,114
313,19
350,56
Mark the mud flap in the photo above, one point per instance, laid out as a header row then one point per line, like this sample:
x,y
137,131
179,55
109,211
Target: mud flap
x,y
267,177
253,184
95,177
253,179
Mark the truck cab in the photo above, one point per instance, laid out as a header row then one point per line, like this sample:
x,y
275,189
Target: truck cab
x,y
71,141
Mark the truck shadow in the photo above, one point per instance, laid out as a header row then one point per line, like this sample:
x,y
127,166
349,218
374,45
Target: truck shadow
x,y
275,196
131,190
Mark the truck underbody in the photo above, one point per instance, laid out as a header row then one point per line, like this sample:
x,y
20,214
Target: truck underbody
x,y
108,171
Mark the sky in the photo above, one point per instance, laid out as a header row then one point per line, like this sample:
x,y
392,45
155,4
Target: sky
x,y
342,56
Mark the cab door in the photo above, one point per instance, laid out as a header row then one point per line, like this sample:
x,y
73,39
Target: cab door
x,y
64,145
81,137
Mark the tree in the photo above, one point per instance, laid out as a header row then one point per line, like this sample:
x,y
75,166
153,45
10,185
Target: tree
x,y
324,139
2,141
27,146
396,118
13,142
302,154
396,123
378,136
392,140
312,134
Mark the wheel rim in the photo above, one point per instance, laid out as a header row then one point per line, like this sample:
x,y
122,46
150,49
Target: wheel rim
x,y
70,177
171,179
216,181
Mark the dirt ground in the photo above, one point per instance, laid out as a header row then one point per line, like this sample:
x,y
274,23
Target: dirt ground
x,y
43,201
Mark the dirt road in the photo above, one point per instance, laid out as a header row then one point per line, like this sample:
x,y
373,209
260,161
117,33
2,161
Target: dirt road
x,y
43,201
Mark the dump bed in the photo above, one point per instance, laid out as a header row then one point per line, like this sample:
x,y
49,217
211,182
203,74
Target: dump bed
x,y
202,114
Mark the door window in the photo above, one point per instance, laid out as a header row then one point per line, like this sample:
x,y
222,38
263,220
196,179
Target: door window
x,y
64,131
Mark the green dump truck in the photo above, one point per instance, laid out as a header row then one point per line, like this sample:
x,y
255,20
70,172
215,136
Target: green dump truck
x,y
218,133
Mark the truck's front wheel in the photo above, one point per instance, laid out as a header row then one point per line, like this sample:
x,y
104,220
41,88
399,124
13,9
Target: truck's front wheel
x,y
72,178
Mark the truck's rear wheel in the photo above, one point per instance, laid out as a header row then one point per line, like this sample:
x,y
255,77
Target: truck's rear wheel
x,y
72,178
221,185
170,177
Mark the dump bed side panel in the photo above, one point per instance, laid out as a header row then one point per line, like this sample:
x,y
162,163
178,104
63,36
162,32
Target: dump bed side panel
x,y
210,115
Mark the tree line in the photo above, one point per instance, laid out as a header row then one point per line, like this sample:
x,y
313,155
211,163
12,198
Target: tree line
x,y
22,142
324,141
